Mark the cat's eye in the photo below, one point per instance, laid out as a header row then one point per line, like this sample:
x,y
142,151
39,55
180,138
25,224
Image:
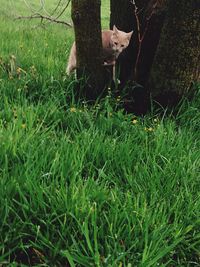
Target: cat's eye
x,y
115,43
122,45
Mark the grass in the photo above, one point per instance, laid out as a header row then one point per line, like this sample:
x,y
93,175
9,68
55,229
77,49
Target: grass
x,y
89,186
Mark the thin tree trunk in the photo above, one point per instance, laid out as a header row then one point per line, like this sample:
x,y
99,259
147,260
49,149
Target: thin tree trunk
x,y
176,64
135,62
87,27
152,23
122,15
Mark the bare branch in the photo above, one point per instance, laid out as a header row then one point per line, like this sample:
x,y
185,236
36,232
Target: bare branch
x,y
42,17
43,14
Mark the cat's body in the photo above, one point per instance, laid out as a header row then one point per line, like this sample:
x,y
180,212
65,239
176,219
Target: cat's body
x,y
113,43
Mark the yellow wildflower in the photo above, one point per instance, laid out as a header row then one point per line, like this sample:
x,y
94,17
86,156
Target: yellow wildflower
x,y
150,129
134,121
72,109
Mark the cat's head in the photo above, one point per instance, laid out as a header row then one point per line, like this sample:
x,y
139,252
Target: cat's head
x,y
120,40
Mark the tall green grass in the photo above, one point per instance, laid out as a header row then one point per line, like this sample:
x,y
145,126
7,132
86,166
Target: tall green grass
x,y
89,185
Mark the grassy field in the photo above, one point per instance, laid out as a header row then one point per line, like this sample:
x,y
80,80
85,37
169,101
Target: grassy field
x,y
88,186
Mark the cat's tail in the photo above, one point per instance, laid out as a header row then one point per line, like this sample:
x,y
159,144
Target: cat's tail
x,y
71,66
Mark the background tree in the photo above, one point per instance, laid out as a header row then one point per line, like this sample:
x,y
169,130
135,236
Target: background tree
x,y
87,27
176,64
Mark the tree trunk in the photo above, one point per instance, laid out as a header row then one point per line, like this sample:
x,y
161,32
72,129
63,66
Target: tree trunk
x,y
136,61
176,64
87,27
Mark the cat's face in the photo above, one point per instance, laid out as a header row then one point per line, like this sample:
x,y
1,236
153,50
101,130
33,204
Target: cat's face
x,y
120,40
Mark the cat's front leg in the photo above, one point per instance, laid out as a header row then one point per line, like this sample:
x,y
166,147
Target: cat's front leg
x,y
116,80
109,63
114,69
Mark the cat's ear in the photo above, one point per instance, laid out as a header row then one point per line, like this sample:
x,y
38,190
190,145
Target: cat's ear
x,y
115,30
129,34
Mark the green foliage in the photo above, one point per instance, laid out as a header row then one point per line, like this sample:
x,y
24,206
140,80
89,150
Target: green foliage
x,y
88,185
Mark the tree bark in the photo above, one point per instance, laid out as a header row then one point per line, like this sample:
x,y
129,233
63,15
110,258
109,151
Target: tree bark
x,y
87,27
176,64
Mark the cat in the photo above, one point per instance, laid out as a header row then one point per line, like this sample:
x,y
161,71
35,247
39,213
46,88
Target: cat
x,y
113,42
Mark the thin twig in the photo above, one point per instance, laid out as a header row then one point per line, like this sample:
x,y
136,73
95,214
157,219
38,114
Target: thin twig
x,y
66,6
62,11
32,9
42,3
57,6
141,35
